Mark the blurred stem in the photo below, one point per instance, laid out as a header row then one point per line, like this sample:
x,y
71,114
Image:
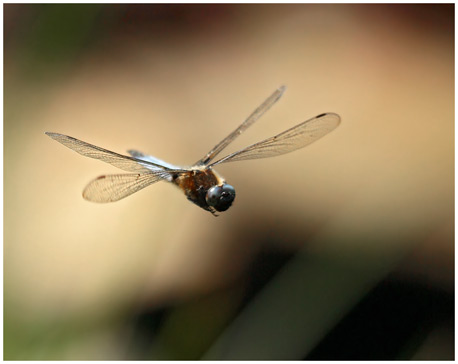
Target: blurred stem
x,y
301,305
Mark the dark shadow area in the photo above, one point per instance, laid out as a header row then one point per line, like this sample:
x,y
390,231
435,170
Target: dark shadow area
x,y
390,323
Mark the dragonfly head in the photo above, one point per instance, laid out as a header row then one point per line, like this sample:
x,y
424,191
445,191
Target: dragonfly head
x,y
220,197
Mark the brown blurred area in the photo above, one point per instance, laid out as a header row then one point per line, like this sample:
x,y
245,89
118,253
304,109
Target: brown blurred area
x,y
313,231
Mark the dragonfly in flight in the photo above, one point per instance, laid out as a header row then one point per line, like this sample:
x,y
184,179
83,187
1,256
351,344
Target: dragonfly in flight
x,y
200,183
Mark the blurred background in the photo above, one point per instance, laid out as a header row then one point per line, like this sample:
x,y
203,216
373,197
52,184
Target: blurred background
x,y
343,250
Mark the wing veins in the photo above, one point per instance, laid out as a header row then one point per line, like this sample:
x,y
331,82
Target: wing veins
x,y
114,187
287,141
126,163
255,115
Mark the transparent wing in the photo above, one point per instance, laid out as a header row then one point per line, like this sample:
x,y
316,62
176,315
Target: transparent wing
x,y
123,162
113,187
272,99
292,139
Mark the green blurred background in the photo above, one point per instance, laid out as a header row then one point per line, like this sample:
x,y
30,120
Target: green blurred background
x,y
343,250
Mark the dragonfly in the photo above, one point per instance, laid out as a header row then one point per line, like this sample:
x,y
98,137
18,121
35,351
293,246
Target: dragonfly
x,y
200,183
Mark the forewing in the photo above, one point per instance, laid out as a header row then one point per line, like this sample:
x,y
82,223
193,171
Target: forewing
x,y
272,99
114,187
290,140
123,162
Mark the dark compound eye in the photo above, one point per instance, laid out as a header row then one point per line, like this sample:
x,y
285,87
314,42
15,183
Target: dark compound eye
x,y
220,197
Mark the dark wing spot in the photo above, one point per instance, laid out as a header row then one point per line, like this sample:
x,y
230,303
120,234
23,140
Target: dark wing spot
x,y
321,115
101,177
